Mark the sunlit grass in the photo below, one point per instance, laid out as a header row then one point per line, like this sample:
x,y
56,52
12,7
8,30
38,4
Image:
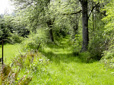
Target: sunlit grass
x,y
67,69
74,73
10,51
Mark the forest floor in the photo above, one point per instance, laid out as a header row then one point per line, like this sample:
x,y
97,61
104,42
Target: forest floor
x,y
66,69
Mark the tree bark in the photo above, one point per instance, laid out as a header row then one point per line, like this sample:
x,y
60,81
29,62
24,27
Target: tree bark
x,y
50,23
51,35
76,25
84,4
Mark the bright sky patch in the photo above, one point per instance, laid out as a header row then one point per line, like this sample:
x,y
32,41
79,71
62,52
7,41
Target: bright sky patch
x,y
6,7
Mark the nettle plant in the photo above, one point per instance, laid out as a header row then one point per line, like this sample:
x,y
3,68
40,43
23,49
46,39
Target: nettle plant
x,y
33,61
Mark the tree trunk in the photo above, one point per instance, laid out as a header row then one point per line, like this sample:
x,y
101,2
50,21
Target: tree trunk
x,y
84,4
76,25
50,23
51,35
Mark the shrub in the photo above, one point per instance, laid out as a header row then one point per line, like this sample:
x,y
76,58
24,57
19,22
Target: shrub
x,y
35,40
97,45
108,56
32,61
86,57
15,38
77,43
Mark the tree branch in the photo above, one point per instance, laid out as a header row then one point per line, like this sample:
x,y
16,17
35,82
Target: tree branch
x,y
80,1
92,9
104,12
73,13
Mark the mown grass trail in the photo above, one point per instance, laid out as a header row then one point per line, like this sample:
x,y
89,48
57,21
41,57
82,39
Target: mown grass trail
x,y
67,69
63,67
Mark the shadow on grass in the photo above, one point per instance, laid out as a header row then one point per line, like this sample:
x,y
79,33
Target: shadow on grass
x,y
63,52
66,58
55,46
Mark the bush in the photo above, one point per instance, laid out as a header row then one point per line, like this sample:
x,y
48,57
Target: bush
x,y
15,38
86,57
97,45
77,43
31,61
35,40
108,56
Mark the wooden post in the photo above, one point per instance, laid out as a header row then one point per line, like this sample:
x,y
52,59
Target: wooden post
x,y
2,52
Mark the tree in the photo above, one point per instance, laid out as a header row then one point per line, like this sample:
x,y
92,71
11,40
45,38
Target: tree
x,y
52,12
84,4
35,12
5,30
50,25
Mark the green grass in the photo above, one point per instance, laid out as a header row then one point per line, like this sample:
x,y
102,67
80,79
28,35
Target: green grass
x,y
10,51
64,68
67,69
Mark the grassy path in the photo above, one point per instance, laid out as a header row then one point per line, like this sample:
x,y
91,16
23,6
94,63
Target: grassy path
x,y
67,69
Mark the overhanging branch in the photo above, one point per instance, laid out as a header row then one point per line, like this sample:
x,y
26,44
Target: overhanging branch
x,y
92,9
103,13
73,13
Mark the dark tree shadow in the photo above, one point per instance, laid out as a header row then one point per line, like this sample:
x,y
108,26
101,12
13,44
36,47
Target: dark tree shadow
x,y
66,58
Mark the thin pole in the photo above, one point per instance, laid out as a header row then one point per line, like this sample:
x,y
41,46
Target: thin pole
x,y
2,52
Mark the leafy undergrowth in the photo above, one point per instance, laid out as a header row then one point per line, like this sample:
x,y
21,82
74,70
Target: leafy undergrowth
x,y
57,65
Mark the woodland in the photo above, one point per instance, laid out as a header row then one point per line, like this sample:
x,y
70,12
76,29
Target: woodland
x,y
58,42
